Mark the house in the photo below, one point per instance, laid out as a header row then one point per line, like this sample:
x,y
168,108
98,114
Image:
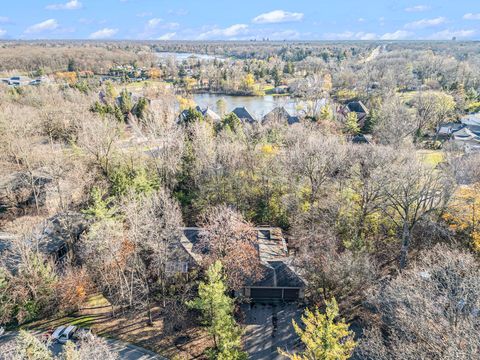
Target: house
x,y
209,114
362,139
280,280
471,119
465,136
23,81
445,131
360,109
55,239
282,89
244,115
279,115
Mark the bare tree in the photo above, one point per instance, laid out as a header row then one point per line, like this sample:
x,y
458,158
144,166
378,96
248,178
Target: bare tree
x,y
430,311
227,237
154,228
414,190
312,159
98,138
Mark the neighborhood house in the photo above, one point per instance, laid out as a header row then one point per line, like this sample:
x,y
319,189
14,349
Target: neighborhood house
x,y
280,281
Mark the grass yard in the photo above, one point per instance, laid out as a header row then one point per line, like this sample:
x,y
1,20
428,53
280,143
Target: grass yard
x,y
132,328
431,157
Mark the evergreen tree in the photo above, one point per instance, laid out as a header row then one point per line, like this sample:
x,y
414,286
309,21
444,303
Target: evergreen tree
x,y
126,104
141,108
230,122
323,338
351,124
217,315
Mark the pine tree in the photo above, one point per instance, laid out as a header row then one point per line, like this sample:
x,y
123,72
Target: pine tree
x,y
323,338
351,124
217,315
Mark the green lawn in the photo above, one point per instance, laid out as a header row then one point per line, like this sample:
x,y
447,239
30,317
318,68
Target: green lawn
x,y
431,157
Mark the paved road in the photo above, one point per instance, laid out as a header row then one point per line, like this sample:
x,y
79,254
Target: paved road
x,y
126,351
269,327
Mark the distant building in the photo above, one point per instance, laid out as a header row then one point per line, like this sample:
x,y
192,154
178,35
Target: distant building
x,y
23,81
244,115
360,109
56,240
465,135
362,139
471,119
209,114
281,116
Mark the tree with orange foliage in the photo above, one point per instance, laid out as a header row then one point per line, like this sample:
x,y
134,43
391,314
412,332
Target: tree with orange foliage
x,y
154,73
68,76
73,289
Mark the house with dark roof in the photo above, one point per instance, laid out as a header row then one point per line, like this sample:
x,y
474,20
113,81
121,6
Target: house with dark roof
x,y
55,239
362,139
280,280
360,109
244,115
445,131
471,119
279,115
464,136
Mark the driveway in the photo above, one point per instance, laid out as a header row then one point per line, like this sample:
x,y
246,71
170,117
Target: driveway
x,y
269,327
126,351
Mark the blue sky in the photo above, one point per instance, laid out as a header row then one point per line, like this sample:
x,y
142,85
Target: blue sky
x,y
240,20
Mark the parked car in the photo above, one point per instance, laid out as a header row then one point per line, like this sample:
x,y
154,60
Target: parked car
x,y
57,333
67,334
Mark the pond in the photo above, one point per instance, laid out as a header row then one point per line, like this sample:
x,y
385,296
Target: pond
x,y
258,106
179,57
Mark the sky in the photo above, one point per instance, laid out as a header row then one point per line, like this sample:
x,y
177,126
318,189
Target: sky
x,y
240,19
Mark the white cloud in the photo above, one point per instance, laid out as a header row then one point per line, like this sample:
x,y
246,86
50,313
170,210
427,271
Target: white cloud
x,y
157,23
397,35
152,23
361,20
366,36
229,32
350,35
3,32
471,16
103,33
4,20
418,8
47,25
167,36
277,16
449,34
425,23
70,5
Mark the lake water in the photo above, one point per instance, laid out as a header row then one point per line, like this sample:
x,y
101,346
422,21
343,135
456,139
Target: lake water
x,y
179,57
256,105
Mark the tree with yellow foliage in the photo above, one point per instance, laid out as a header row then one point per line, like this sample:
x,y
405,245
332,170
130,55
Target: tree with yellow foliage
x,y
249,82
463,214
351,124
322,337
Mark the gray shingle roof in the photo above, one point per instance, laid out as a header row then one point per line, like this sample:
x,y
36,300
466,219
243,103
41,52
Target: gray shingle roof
x,y
278,274
280,114
244,115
